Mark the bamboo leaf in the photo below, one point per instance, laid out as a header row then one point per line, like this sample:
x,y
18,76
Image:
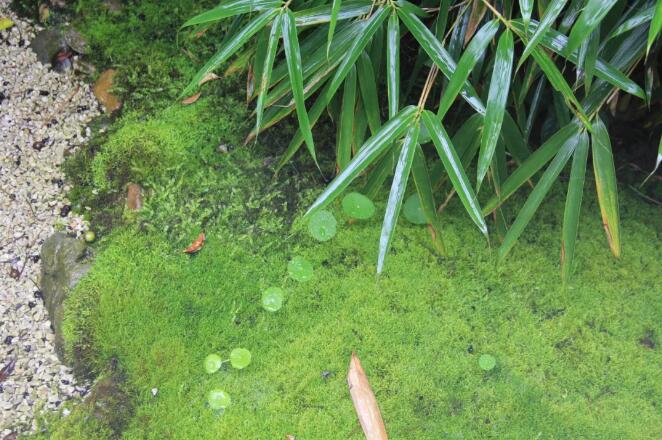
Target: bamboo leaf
x,y
454,168
368,88
324,13
293,56
496,102
656,26
658,160
398,188
605,183
592,14
393,64
419,171
373,147
587,57
231,8
538,194
573,204
551,13
269,58
467,61
532,165
439,56
641,17
332,24
526,8
347,115
228,49
357,47
513,139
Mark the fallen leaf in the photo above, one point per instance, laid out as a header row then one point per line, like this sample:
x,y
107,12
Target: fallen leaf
x,y
191,99
7,370
11,436
196,245
5,23
101,90
289,437
365,402
44,13
208,77
14,273
134,197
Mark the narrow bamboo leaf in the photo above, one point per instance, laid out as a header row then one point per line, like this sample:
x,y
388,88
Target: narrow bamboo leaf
x,y
592,14
398,188
419,172
559,83
534,108
478,10
496,102
268,64
642,16
454,168
231,47
360,126
368,88
357,47
558,43
260,54
332,24
344,149
573,204
439,56
379,173
442,19
538,194
513,139
571,15
587,57
393,64
467,61
656,26
231,8
605,183
365,156
526,8
532,165
658,160
293,56
324,13
551,13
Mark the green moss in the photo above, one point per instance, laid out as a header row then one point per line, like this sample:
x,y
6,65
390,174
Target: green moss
x,y
570,363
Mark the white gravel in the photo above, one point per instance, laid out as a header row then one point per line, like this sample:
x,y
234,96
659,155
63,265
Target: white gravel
x,y
43,114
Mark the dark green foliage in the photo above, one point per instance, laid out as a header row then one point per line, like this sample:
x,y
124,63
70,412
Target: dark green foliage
x,y
577,54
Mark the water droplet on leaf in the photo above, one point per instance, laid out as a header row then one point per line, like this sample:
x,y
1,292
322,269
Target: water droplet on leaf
x,y
300,269
240,358
358,206
272,299
322,226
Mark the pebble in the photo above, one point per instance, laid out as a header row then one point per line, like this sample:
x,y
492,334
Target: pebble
x,y
43,114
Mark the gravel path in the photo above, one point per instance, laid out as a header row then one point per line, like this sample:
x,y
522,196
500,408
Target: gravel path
x,y
43,115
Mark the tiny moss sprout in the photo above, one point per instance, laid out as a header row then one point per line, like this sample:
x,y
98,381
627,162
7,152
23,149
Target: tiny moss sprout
x,y
300,269
240,358
218,399
272,299
487,362
358,206
212,363
322,226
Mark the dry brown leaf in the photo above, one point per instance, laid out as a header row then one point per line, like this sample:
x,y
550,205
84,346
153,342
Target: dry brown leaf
x,y
196,245
477,13
101,90
365,402
7,370
289,437
134,197
208,77
191,99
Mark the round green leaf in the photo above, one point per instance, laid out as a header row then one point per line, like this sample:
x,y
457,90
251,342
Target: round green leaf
x,y
240,358
487,362
212,363
300,269
358,206
272,299
218,399
413,211
322,226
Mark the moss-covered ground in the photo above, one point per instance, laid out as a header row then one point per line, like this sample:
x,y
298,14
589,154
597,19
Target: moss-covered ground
x,y
580,361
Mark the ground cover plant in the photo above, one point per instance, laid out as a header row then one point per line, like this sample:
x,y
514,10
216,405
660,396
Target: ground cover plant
x,y
479,68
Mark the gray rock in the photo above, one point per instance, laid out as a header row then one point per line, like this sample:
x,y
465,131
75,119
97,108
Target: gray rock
x,y
47,43
63,265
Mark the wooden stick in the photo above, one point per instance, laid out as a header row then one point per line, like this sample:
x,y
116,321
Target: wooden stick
x,y
365,402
